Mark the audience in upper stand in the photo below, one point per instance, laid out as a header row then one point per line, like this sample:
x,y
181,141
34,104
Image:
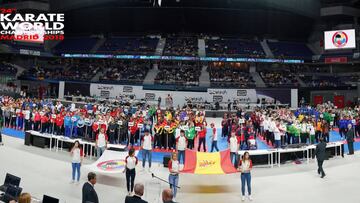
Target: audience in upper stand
x,y
129,45
290,50
76,45
178,73
7,68
323,81
233,48
68,69
284,76
130,72
230,75
181,46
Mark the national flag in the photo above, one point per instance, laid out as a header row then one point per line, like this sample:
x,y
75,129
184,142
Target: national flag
x,y
208,163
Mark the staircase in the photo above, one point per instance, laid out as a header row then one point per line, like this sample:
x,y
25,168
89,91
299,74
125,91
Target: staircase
x,y
204,79
98,44
256,76
301,83
266,49
96,78
151,75
20,69
160,47
202,48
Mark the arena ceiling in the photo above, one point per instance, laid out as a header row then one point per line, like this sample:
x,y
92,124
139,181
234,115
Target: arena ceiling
x,y
286,19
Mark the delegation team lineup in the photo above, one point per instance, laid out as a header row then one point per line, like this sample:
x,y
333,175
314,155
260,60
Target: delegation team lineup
x,y
150,129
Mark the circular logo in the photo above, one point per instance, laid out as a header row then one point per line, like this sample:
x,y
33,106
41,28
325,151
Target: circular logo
x,y
340,39
111,165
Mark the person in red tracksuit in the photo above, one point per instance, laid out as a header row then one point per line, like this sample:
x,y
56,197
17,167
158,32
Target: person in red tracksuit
x,y
20,119
37,119
52,123
44,123
132,130
59,124
95,128
202,138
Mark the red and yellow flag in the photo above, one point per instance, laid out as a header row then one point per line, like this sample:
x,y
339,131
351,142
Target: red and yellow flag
x,y
208,163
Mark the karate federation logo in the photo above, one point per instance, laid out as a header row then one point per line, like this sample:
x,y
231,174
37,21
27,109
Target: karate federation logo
x,y
340,39
112,165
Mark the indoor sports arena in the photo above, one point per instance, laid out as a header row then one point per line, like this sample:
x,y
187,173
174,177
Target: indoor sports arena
x,y
179,101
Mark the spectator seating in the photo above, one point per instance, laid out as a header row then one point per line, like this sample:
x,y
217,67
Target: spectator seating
x,y
230,75
290,50
7,69
323,81
181,46
76,45
233,48
178,73
129,45
283,76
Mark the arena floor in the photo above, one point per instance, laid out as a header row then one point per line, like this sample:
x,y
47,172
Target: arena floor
x,y
48,172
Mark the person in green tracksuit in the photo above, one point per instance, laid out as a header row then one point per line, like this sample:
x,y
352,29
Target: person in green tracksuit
x,y
297,127
190,136
290,130
327,117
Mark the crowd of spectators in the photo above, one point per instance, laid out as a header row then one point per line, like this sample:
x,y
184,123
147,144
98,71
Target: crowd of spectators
x,y
290,49
129,45
322,81
76,45
233,48
67,69
181,46
178,73
7,68
279,78
234,75
130,72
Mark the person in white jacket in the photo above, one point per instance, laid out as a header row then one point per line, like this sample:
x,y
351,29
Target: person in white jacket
x,y
277,134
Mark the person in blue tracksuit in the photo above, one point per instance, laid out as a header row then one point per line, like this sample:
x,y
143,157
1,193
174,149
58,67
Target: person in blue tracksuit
x,y
80,126
342,127
67,125
75,119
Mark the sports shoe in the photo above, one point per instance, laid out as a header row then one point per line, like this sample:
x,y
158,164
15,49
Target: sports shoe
x,y
243,198
77,183
250,198
72,181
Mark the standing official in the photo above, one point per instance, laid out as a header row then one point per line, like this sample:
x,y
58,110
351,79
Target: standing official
x,y
350,138
320,153
89,194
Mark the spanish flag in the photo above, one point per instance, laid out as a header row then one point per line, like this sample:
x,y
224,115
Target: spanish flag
x,y
208,163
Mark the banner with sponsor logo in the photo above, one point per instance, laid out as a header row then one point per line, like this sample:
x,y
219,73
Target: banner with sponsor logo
x,y
113,91
249,95
241,96
343,59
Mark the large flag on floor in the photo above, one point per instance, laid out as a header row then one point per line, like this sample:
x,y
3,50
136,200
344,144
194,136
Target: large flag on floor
x,y
109,162
208,163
